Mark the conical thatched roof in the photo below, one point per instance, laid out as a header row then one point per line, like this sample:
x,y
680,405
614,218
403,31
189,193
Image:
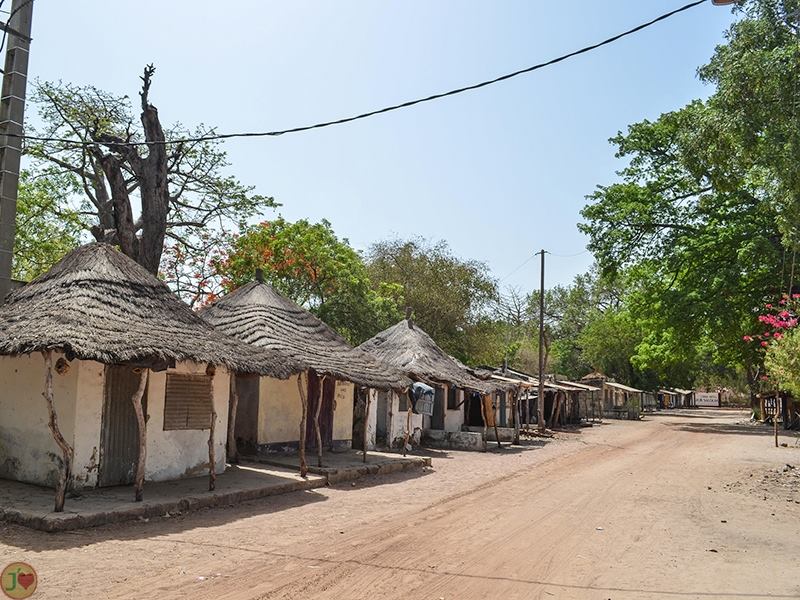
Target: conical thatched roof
x,y
98,304
407,347
260,316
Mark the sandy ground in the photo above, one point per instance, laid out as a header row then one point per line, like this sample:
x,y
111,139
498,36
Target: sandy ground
x,y
689,505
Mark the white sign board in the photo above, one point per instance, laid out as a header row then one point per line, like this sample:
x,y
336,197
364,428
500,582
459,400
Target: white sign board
x,y
706,398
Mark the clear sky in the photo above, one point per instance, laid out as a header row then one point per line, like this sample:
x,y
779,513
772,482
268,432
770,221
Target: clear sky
x,y
498,173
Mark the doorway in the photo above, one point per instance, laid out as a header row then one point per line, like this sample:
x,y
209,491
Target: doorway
x,y
326,411
119,444
245,430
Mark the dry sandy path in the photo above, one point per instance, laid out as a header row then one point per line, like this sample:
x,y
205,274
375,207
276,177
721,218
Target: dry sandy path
x,y
624,510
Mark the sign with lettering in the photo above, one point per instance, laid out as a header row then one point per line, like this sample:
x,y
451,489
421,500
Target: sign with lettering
x,y
706,398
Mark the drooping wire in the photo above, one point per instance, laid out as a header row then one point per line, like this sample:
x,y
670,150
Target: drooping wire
x,y
394,107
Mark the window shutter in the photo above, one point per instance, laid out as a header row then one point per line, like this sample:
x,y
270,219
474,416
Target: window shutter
x,y
188,401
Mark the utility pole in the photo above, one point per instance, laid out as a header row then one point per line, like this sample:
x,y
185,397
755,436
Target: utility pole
x,y
12,115
540,398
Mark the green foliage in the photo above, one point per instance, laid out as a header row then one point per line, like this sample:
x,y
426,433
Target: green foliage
x,y
47,226
308,263
204,199
783,362
451,298
705,209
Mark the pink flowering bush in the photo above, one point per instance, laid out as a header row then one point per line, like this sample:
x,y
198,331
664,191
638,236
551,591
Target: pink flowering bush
x,y
780,343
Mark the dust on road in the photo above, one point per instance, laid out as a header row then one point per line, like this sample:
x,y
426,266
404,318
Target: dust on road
x,y
624,510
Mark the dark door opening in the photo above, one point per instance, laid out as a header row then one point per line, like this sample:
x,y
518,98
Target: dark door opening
x,y
437,420
472,409
246,426
119,444
326,410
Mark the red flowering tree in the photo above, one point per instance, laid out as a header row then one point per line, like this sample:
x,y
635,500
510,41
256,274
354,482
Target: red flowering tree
x,y
308,263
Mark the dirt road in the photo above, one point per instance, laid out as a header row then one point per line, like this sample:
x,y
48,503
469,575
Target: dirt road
x,y
676,506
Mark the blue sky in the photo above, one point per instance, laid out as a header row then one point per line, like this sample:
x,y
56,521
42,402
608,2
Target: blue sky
x,y
498,173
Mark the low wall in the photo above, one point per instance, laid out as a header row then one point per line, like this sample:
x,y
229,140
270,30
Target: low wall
x,y
506,433
452,440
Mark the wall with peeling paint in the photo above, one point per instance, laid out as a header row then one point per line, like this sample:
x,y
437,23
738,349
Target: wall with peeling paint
x,y
398,421
29,454
27,450
279,410
343,412
184,453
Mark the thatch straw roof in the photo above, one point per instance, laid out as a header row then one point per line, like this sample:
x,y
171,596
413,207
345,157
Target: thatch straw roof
x,y
407,347
258,315
98,304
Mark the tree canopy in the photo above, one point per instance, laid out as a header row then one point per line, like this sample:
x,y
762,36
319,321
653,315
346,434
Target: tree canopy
x,y
699,221
181,192
309,264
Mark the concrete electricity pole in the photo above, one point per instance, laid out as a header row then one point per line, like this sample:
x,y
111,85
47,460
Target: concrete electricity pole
x,y
540,398
12,114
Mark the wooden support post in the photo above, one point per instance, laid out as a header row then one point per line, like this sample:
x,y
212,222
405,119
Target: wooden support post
x,y
233,450
408,421
67,453
141,423
495,403
317,432
366,420
485,425
775,417
303,416
469,407
212,456
515,410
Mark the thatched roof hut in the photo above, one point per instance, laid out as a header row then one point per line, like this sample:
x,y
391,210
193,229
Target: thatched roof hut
x,y
98,304
407,347
258,315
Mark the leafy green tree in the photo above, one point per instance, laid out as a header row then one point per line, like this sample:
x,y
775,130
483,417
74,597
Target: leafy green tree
x,y
47,225
452,299
308,263
703,216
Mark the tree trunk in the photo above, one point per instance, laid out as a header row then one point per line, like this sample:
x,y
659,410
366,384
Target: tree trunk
x,y
303,416
408,422
212,457
67,453
233,449
317,432
141,423
153,182
494,412
485,426
366,421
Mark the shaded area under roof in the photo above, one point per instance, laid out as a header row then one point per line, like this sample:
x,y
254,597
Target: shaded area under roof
x,y
260,316
408,348
98,304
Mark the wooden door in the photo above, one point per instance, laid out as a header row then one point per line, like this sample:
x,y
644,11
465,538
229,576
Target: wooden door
x,y
119,445
326,411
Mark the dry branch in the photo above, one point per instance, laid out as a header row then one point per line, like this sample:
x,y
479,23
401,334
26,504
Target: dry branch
x,y
67,453
141,424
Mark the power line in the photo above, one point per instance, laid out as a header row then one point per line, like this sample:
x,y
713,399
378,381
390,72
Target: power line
x,y
527,260
394,107
569,255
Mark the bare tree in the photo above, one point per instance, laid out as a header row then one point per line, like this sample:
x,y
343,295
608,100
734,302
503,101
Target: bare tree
x,y
179,191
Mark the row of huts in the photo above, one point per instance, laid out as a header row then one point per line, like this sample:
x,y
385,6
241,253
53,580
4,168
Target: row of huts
x,y
107,378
